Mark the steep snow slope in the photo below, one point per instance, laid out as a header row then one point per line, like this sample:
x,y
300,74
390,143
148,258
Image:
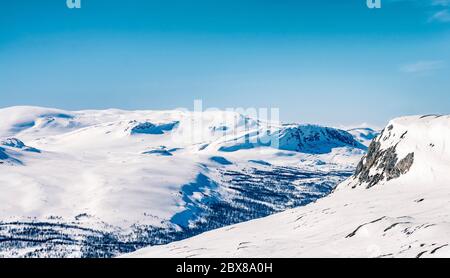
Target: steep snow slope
x,y
396,205
100,183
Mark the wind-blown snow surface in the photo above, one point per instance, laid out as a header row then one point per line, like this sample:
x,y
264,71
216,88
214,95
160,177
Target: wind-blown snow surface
x,y
101,183
396,205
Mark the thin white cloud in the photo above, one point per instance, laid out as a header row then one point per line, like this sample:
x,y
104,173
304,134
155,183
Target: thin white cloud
x,y
444,3
439,9
441,16
422,67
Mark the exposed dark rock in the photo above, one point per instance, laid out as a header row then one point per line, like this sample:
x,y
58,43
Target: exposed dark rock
x,y
385,162
436,249
221,160
161,152
405,164
146,128
430,115
352,234
150,128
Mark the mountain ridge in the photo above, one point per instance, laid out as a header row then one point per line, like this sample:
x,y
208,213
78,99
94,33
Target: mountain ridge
x,y
395,205
138,178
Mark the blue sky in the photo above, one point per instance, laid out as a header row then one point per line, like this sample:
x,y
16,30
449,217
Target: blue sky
x,y
329,61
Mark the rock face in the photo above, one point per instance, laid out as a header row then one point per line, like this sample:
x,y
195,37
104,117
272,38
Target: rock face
x,y
385,162
382,160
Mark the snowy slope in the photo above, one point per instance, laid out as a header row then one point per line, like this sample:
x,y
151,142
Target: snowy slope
x,y
363,135
396,205
100,183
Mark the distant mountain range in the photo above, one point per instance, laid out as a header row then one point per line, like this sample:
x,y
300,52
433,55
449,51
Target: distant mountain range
x,y
396,204
103,183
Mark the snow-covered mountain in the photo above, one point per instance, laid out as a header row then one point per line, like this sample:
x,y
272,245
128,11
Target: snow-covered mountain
x,y
363,135
395,205
101,183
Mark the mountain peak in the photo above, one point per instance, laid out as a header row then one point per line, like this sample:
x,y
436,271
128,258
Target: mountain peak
x,y
413,142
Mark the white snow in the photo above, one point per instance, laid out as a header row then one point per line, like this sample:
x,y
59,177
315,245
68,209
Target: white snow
x,y
403,217
363,135
92,163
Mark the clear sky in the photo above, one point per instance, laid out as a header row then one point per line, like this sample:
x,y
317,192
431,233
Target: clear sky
x,y
321,61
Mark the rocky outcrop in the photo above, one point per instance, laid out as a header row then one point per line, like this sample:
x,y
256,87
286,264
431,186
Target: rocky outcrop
x,y
17,144
382,164
150,128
